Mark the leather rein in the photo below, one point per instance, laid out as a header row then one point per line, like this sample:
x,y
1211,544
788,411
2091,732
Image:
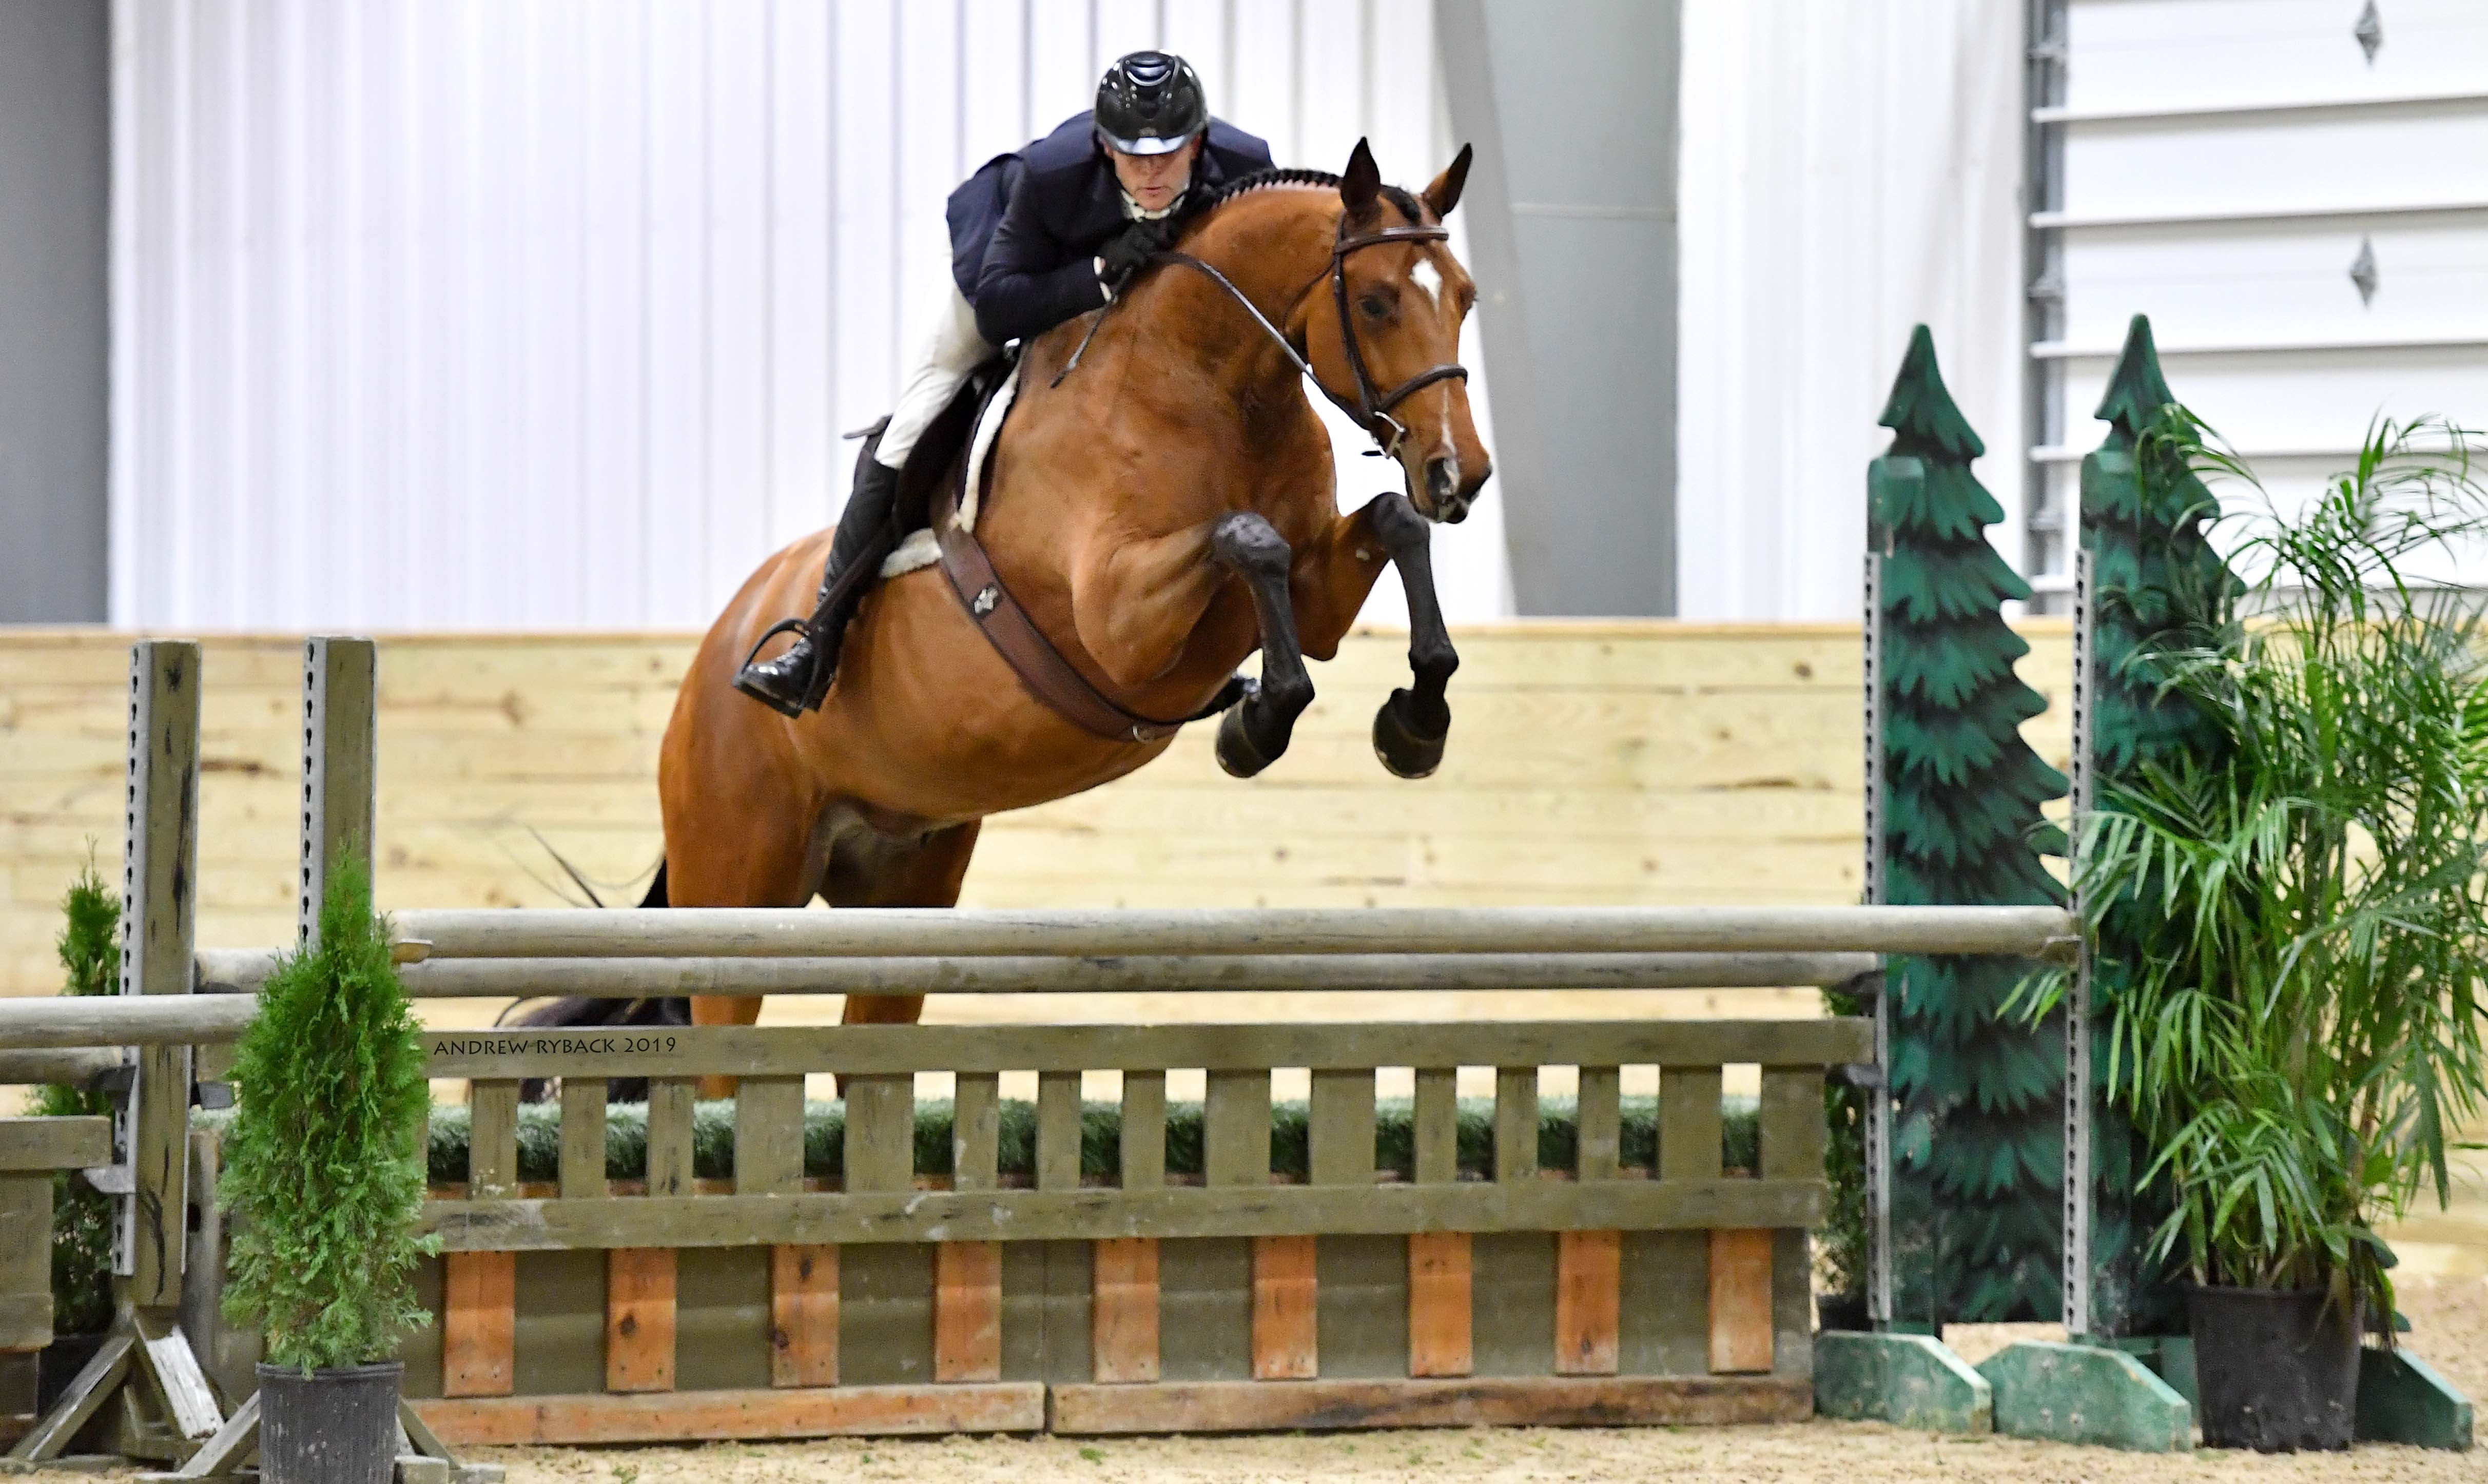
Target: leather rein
x,y
1015,636
1373,406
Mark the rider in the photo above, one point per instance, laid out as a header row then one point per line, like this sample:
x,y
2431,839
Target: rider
x,y
1037,237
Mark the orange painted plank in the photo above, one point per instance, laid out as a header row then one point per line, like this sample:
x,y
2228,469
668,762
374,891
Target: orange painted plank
x,y
1124,1321
1439,1312
967,1311
639,1319
479,1324
1740,1301
521,1421
803,1316
1589,1302
1283,1294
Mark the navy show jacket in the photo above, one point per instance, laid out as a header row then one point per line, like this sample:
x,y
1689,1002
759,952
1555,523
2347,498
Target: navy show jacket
x,y
1026,228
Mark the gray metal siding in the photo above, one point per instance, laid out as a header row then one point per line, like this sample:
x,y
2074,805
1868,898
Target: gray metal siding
x,y
55,191
1578,271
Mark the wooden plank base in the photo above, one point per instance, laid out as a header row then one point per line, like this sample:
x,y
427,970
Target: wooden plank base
x,y
1523,1401
518,1421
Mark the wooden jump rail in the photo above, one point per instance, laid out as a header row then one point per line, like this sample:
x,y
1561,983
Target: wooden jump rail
x,y
1082,934
226,971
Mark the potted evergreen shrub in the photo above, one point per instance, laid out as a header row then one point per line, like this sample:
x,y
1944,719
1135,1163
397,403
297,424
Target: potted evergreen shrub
x,y
2296,1039
325,1174
90,954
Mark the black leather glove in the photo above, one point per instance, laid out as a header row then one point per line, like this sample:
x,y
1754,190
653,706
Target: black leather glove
x,y
1125,253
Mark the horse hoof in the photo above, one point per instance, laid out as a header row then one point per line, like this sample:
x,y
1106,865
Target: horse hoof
x,y
1399,739
1237,752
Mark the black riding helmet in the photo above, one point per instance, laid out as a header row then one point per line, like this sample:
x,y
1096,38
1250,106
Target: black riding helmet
x,y
1151,102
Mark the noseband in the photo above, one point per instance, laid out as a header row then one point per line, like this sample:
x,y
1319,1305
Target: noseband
x,y
1373,406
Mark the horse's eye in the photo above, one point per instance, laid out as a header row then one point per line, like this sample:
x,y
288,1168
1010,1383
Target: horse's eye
x,y
1375,306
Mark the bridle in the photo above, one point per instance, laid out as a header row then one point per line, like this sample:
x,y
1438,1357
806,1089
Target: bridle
x,y
1372,409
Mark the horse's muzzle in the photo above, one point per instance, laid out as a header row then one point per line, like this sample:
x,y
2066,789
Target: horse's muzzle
x,y
1448,497
1443,499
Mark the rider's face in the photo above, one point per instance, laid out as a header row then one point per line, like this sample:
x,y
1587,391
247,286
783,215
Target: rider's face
x,y
1154,181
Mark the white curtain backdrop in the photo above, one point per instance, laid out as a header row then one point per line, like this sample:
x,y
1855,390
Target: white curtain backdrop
x,y
1849,169
546,314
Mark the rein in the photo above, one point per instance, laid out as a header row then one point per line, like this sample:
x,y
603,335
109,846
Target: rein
x,y
1373,406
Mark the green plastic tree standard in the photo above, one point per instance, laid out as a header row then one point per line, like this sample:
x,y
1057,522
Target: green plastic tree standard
x,y
324,1164
2156,585
1978,1144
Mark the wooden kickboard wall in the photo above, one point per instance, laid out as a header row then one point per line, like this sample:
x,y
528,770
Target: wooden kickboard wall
x,y
1589,763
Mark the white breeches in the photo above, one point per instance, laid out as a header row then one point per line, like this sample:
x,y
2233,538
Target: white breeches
x,y
949,352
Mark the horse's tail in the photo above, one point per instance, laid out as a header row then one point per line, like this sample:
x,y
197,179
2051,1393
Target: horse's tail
x,y
656,896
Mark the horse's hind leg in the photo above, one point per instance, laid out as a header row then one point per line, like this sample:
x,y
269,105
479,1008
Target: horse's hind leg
x,y
735,851
926,874
1256,730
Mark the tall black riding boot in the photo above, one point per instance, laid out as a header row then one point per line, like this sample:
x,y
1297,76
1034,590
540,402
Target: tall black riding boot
x,y
795,682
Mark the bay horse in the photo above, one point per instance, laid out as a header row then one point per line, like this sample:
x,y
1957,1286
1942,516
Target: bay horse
x,y
1159,512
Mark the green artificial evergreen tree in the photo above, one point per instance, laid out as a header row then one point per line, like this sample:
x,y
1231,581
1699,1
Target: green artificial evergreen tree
x,y
90,954
2156,584
325,1165
1978,1143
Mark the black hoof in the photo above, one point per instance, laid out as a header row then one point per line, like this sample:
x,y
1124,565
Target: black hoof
x,y
1403,742
1237,752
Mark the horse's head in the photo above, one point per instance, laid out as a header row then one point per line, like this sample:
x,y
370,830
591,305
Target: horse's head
x,y
1385,333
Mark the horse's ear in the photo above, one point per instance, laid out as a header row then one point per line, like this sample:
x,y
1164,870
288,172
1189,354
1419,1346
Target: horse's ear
x,y
1445,193
1361,185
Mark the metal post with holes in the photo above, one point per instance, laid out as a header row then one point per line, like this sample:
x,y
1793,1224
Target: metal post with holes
x,y
340,764
2079,1092
145,1385
340,824
1878,1100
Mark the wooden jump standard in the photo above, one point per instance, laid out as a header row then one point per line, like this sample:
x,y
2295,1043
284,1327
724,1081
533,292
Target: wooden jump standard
x,y
865,1287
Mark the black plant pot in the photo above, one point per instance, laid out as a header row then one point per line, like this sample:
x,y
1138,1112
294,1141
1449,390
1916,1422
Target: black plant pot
x,y
1840,1311
2276,1369
62,1359
330,1427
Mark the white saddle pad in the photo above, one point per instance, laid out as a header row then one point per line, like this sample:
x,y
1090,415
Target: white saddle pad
x,y
920,548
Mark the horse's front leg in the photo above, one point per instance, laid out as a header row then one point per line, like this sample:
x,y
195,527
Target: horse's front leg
x,y
1412,725
1256,730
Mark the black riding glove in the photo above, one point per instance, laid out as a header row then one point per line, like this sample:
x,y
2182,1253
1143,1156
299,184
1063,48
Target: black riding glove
x,y
1124,254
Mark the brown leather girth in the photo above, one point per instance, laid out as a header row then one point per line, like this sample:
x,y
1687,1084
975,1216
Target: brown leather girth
x,y
1025,648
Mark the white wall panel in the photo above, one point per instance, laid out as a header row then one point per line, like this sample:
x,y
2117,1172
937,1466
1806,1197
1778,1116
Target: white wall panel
x,y
438,314
2153,53
1849,171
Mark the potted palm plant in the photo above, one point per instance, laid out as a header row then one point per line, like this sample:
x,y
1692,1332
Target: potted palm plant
x,y
325,1173
2304,1027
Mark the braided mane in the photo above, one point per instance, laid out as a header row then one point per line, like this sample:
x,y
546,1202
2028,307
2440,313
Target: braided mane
x,y
1290,175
